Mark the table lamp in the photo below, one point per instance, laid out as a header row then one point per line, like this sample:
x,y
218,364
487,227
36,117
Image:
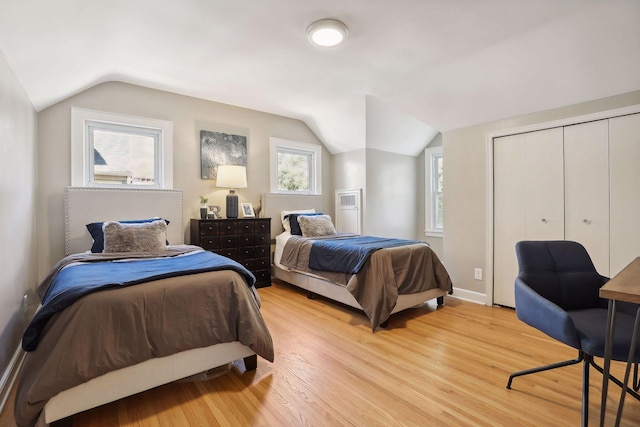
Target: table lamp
x,y
232,176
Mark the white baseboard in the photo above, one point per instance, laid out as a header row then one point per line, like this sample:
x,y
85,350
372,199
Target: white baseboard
x,y
9,376
471,296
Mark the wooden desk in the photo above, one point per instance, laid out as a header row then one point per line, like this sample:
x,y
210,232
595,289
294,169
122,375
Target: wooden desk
x,y
625,286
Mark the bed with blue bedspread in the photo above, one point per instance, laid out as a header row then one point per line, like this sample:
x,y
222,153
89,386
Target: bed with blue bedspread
x,y
125,312
379,275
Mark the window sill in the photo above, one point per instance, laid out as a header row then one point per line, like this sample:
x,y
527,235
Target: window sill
x,y
432,233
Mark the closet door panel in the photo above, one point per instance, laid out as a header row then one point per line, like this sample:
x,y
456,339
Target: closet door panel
x,y
624,166
528,200
586,183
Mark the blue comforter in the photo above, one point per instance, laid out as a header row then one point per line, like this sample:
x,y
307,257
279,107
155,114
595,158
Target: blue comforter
x,y
75,281
348,254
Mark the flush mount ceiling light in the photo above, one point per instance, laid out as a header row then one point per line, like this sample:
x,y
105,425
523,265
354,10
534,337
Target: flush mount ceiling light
x,y
327,32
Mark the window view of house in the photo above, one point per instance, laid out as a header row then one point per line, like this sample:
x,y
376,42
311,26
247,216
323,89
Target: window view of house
x,y
121,157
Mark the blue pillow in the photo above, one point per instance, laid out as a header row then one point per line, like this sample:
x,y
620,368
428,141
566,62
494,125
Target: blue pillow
x,y
295,225
95,229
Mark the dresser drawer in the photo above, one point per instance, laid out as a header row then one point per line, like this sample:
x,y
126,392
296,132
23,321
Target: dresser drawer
x,y
228,252
208,228
263,252
263,226
227,228
246,252
263,278
245,227
261,264
228,241
209,242
262,239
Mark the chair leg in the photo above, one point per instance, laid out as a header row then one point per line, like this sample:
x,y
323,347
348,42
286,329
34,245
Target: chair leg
x,y
588,360
617,382
545,368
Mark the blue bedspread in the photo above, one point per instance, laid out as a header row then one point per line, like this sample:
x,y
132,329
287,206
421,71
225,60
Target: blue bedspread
x,y
78,280
348,254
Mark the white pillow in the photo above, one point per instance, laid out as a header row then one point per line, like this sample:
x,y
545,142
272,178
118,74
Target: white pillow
x,y
285,222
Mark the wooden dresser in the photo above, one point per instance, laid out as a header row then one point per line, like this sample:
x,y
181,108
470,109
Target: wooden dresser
x,y
245,240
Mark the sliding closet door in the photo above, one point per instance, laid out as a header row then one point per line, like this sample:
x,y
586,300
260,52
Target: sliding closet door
x,y
624,158
528,200
586,189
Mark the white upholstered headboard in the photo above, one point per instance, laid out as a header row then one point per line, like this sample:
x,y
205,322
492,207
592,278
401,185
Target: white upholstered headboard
x,y
273,204
84,205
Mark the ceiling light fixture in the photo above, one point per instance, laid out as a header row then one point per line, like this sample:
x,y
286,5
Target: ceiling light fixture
x,y
327,32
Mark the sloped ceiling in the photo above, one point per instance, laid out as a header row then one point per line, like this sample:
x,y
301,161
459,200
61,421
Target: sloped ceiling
x,y
425,65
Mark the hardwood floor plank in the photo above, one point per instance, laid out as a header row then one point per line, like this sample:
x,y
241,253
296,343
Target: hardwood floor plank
x,y
433,366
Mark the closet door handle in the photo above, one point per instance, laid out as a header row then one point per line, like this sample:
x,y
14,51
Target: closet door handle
x,y
586,221
544,220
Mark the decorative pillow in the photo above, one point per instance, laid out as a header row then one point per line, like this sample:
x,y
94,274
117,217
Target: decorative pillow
x,y
295,225
95,229
285,220
140,237
316,226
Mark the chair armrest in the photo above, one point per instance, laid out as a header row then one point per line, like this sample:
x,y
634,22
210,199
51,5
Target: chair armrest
x,y
537,311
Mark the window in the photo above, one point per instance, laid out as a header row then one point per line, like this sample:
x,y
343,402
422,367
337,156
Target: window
x,y
296,167
434,203
111,150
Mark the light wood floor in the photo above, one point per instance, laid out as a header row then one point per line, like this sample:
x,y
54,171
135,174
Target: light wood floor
x,y
431,367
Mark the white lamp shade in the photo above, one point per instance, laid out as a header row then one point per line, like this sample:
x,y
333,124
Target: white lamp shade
x,y
232,176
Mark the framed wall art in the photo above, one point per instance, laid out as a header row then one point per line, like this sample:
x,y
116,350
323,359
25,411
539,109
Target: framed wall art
x,y
219,148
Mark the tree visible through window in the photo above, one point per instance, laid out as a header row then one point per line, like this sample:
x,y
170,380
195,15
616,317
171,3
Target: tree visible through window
x,y
295,167
293,171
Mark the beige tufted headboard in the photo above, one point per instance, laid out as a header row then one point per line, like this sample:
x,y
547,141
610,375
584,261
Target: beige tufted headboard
x,y
84,205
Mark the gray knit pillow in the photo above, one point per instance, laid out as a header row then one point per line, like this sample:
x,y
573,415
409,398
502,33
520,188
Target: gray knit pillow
x,y
316,226
141,237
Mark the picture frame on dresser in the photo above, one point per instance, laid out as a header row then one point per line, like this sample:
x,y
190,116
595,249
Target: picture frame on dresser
x,y
247,210
245,240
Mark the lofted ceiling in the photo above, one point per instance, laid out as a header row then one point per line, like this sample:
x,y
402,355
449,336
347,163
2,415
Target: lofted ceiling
x,y
408,69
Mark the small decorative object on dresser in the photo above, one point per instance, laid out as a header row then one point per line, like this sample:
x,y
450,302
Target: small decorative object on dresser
x,y
247,210
203,207
246,241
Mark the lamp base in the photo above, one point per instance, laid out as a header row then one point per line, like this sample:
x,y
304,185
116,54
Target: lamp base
x,y
232,204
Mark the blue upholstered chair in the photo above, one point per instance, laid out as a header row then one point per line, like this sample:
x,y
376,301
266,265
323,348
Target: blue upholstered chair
x,y
557,292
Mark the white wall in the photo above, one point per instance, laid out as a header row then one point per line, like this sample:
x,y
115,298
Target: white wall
x,y
17,210
465,213
391,200
189,116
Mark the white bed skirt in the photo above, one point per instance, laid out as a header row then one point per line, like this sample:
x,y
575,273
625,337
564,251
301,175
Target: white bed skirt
x,y
143,376
340,293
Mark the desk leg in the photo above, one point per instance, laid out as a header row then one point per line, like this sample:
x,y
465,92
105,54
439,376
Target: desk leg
x,y
632,350
608,343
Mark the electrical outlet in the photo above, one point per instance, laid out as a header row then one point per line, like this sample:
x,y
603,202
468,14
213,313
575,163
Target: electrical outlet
x,y
477,274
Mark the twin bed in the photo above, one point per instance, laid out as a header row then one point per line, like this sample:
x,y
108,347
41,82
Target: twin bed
x,y
393,279
191,311
113,343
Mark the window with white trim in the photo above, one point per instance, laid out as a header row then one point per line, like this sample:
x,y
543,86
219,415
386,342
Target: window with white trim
x,y
434,203
296,167
112,150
